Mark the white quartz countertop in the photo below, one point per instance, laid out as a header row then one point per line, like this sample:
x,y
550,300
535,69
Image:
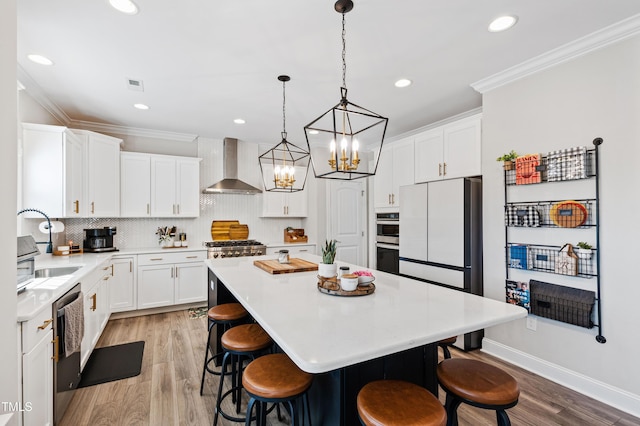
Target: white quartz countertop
x,y
321,333
42,292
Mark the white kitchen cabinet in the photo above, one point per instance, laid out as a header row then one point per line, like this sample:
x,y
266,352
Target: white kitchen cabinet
x,y
395,169
96,308
450,151
102,173
175,183
446,222
53,171
135,184
166,279
293,248
37,370
285,204
122,286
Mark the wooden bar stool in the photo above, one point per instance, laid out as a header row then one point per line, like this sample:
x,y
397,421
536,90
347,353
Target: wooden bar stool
x,y
225,315
398,403
478,384
276,379
245,341
445,343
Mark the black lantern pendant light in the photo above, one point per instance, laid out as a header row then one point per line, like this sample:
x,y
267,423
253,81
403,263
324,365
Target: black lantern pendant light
x,y
345,142
284,167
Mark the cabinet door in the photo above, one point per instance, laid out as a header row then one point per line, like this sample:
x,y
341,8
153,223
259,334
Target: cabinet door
x,y
273,204
43,169
75,205
188,188
103,176
428,156
462,148
383,186
403,155
191,282
297,204
102,305
37,383
163,187
445,222
156,286
91,333
135,185
122,285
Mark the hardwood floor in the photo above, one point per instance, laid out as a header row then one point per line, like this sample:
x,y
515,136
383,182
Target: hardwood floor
x,y
167,391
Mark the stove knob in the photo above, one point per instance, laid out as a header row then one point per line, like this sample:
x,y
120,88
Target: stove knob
x,y
221,255
215,255
237,253
258,252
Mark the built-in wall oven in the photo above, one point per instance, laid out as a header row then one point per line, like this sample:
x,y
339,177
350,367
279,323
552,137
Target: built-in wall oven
x,y
388,242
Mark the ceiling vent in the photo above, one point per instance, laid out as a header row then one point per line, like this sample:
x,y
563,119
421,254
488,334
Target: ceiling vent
x,y
134,84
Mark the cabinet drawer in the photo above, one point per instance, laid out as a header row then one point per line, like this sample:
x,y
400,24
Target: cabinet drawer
x,y
98,274
433,273
34,330
173,257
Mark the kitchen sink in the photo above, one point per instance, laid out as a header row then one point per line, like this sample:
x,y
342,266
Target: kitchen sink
x,y
55,272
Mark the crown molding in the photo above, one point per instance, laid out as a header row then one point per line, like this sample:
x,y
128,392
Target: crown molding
x,y
35,91
132,131
612,34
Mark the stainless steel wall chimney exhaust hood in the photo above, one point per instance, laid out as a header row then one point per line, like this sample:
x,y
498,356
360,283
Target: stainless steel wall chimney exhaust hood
x,y
230,184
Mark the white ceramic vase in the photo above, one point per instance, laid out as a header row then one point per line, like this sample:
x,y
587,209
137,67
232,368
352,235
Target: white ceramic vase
x,y
327,270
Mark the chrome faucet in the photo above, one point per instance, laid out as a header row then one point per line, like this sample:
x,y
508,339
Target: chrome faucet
x,y
50,243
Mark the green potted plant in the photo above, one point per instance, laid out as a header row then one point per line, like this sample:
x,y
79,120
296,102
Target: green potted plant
x,y
328,268
508,159
583,250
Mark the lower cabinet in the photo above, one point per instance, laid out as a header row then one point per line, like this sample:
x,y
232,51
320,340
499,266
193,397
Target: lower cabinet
x,y
293,248
122,286
96,308
171,279
37,371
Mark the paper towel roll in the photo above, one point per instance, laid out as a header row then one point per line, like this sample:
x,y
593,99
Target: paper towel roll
x,y
56,227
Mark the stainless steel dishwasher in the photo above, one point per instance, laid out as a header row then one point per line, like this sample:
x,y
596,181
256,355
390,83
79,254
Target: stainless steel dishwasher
x,y
66,368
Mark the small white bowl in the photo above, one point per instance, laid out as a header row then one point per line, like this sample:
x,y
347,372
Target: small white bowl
x,y
177,243
349,282
365,279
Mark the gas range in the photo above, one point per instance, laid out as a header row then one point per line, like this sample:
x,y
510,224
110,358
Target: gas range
x,y
234,248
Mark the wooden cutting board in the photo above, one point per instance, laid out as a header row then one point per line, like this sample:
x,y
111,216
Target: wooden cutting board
x,y
294,265
239,232
220,229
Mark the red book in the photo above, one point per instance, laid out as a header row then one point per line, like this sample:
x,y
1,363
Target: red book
x,y
526,169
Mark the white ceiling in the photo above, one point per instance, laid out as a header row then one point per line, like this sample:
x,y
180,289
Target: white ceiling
x,y
205,63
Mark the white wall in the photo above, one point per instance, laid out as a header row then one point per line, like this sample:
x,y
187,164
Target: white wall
x,y
596,95
8,118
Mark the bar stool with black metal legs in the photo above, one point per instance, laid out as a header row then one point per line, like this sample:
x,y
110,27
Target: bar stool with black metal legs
x,y
225,315
239,343
276,379
397,402
478,384
445,343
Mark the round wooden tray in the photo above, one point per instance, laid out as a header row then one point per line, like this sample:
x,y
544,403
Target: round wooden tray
x,y
332,286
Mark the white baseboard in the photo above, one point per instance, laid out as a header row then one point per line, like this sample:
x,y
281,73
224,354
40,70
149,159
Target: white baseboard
x,y
610,395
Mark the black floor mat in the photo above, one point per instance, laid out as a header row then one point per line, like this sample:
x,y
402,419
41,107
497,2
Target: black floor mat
x,y
112,363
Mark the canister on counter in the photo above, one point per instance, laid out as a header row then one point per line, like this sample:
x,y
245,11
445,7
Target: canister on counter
x,y
343,270
283,256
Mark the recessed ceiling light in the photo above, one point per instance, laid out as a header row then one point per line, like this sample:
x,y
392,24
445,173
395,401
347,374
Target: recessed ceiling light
x,y
141,106
125,6
313,132
403,82
39,59
502,23
239,121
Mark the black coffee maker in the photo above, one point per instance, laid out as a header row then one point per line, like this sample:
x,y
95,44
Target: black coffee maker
x,y
99,239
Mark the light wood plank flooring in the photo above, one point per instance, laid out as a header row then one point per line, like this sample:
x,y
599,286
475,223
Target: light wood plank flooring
x,y
167,391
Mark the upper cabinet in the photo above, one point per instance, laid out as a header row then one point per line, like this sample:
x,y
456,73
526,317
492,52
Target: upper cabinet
x,y
175,183
285,204
450,151
102,172
70,173
395,169
159,185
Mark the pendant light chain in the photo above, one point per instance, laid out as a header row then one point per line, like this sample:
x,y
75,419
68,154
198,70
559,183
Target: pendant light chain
x,y
344,53
284,115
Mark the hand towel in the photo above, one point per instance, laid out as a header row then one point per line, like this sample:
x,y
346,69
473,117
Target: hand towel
x,y
73,325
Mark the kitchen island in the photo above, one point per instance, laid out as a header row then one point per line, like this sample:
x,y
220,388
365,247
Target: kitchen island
x,y
348,341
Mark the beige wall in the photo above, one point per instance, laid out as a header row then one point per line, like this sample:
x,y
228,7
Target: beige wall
x,y
596,95
9,388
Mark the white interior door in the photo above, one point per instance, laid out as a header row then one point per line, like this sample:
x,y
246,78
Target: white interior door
x,y
347,207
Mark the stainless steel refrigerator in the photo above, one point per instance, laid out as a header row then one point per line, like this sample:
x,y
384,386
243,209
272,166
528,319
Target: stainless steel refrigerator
x,y
441,238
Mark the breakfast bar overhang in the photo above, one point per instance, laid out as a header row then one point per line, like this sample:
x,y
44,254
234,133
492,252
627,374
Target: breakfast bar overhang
x,y
348,341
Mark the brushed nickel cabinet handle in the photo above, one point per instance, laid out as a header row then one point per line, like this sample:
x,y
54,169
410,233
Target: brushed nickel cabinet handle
x,y
93,207
178,208
176,272
439,169
156,258
130,266
444,169
148,209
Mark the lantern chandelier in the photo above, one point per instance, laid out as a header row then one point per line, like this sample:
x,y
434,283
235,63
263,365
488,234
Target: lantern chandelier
x,y
282,164
360,132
